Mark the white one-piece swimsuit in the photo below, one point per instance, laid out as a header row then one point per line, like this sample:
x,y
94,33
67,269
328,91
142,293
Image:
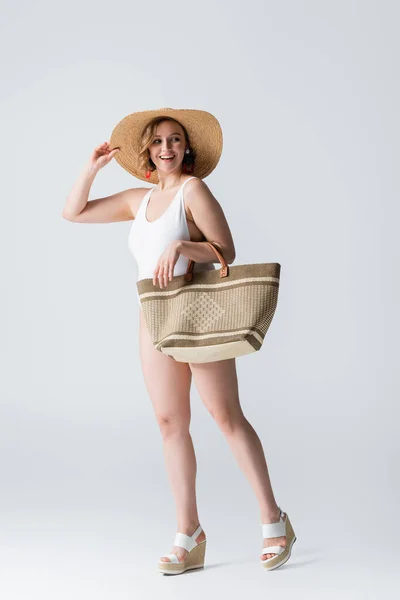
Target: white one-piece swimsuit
x,y
147,240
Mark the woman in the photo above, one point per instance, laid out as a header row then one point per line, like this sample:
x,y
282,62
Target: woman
x,y
175,149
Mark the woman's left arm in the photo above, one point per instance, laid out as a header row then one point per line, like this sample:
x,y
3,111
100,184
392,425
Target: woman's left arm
x,y
210,219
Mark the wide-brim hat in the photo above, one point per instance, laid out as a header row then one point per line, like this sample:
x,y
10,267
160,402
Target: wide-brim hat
x,y
205,136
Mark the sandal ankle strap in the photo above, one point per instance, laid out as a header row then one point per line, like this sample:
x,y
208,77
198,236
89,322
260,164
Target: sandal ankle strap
x,y
272,530
187,541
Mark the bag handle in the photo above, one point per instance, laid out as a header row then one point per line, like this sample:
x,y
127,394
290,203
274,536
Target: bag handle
x,y
223,272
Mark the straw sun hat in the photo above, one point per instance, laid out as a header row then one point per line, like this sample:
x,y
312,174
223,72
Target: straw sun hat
x,y
205,136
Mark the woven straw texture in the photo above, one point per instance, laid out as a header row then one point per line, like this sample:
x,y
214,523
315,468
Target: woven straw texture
x,y
212,317
204,130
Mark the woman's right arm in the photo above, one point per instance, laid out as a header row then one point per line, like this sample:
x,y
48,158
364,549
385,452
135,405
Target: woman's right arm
x,y
110,209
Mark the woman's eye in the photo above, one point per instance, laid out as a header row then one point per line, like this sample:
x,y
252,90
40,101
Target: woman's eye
x,y
175,138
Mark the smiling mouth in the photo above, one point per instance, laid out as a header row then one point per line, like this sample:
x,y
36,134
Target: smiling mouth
x,y
167,158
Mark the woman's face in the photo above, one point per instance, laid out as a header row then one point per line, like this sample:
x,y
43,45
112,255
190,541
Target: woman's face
x,y
168,141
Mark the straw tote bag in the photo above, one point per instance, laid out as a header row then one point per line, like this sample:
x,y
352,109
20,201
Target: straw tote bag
x,y
211,315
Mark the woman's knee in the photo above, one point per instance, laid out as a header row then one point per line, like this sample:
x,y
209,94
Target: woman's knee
x,y
173,424
228,419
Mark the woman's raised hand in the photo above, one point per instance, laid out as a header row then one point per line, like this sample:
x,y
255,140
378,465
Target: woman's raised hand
x,y
102,155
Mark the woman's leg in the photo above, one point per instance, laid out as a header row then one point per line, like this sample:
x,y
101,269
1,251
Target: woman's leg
x,y
168,384
217,385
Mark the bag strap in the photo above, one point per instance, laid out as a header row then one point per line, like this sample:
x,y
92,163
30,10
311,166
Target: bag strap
x,y
223,272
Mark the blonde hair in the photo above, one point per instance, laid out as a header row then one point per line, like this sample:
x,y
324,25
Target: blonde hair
x,y
144,161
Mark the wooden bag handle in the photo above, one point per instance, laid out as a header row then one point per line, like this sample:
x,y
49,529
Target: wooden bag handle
x,y
223,272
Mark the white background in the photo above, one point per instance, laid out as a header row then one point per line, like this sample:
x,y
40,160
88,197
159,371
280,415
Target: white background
x,y
307,94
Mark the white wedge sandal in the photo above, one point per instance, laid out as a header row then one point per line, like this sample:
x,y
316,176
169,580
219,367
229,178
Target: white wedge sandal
x,y
193,560
273,530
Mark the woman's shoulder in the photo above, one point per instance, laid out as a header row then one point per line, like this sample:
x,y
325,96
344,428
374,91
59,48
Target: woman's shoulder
x,y
193,178
195,184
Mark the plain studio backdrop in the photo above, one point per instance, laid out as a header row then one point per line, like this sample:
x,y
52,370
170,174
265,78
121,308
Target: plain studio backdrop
x,y
307,94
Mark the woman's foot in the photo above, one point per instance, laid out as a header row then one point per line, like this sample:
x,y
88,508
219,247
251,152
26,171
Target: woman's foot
x,y
181,553
278,541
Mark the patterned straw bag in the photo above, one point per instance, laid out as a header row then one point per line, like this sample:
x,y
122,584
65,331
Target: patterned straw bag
x,y
211,315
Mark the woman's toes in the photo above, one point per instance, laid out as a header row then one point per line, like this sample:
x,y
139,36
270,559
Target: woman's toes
x,y
180,556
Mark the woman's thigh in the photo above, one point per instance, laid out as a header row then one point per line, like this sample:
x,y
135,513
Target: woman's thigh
x,y
167,381
217,384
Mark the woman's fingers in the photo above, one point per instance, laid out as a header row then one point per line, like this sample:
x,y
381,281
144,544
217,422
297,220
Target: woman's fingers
x,y
164,271
111,154
101,146
163,274
161,278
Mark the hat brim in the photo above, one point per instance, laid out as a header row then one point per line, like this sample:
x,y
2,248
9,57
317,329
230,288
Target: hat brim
x,y
204,130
